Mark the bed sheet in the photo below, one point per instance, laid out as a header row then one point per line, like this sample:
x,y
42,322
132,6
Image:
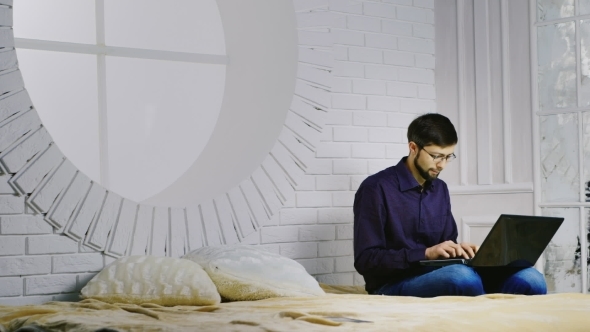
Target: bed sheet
x,y
333,312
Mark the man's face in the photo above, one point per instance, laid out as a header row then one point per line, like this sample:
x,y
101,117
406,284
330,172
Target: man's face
x,y
425,162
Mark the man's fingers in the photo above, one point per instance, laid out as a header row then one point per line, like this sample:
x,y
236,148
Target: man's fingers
x,y
442,252
472,251
451,250
459,252
469,251
463,252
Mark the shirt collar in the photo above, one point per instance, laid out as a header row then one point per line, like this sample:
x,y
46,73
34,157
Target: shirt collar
x,y
407,180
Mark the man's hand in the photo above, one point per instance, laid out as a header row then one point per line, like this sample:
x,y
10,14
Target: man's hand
x,y
450,249
469,248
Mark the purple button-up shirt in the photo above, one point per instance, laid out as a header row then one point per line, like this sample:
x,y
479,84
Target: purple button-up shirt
x,y
395,221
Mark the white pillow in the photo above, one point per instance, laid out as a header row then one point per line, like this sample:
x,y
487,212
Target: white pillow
x,y
159,280
244,273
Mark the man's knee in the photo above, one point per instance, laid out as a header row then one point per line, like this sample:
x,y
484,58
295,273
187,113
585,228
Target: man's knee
x,y
461,280
527,282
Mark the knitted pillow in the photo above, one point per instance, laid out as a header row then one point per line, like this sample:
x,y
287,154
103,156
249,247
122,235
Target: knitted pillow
x,y
248,273
160,280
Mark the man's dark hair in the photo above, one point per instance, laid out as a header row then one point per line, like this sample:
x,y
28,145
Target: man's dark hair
x,y
432,129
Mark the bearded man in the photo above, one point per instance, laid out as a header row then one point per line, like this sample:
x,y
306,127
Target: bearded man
x,y
402,215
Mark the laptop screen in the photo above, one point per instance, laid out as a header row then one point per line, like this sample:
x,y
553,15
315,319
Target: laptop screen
x,y
516,240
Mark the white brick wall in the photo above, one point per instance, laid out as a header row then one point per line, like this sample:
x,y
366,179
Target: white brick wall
x,y
335,216
344,264
382,77
335,248
317,233
50,284
24,224
318,265
298,216
24,265
83,279
77,263
280,234
336,279
11,286
51,244
348,134
299,250
332,182
12,245
10,204
345,198
344,232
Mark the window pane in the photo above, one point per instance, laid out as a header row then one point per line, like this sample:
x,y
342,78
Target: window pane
x,y
559,158
584,7
587,235
160,117
562,264
586,133
554,9
557,66
585,62
63,89
181,25
60,20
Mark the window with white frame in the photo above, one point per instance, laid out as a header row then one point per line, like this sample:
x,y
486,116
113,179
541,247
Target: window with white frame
x,y
561,70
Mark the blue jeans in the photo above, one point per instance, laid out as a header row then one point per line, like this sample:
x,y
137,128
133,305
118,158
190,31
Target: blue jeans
x,y
467,281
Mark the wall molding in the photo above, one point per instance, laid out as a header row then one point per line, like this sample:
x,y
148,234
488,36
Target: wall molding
x,y
483,93
506,96
509,188
563,111
461,82
472,221
564,204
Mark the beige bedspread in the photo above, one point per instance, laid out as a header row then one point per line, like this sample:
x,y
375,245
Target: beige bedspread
x,y
333,312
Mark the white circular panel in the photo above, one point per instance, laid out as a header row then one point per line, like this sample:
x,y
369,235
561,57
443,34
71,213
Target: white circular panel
x,y
64,90
261,144
70,21
160,117
261,42
158,114
179,25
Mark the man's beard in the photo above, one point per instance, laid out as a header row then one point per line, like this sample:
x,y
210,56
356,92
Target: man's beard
x,y
424,172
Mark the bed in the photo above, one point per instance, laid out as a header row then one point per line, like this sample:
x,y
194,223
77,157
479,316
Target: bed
x,y
246,288
343,308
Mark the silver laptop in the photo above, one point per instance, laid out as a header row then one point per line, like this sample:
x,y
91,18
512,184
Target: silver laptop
x,y
513,241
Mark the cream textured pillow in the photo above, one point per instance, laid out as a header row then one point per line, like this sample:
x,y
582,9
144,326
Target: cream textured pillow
x,y
160,280
248,273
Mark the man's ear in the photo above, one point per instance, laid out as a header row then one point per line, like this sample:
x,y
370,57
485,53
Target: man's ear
x,y
413,148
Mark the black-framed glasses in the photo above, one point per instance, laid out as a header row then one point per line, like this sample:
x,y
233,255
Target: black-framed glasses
x,y
437,158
